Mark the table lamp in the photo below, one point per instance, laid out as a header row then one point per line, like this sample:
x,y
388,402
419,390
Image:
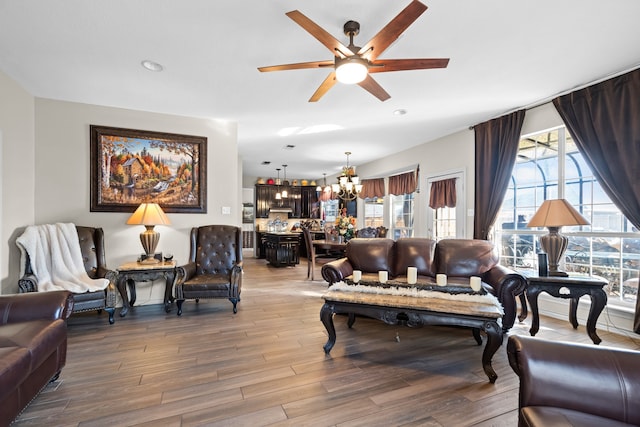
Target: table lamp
x,y
554,214
149,215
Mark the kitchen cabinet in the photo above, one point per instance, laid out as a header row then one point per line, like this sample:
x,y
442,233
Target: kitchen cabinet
x,y
303,201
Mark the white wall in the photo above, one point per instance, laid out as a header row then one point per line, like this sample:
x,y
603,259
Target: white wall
x,y
17,180
450,153
62,190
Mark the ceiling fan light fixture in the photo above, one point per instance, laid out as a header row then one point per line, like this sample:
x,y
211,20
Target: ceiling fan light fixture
x,y
351,70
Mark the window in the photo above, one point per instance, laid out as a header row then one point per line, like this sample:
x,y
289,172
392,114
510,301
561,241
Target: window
x,y
444,223
401,215
550,166
447,223
374,212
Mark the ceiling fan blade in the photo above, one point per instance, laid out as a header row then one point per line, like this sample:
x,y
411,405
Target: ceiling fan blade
x,y
392,30
372,86
324,87
385,65
333,44
297,66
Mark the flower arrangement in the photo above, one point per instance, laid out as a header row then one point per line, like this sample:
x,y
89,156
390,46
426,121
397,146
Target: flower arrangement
x,y
346,225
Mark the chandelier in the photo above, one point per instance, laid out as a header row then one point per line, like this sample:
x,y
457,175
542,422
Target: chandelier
x,y
348,185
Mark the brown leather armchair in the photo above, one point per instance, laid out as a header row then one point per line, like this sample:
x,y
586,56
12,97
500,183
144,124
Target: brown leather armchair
x,y
214,269
569,384
93,256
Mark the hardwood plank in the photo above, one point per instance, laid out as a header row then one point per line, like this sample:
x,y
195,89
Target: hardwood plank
x,y
265,366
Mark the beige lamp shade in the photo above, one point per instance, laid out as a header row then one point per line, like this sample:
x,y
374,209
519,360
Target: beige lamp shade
x,y
149,215
554,214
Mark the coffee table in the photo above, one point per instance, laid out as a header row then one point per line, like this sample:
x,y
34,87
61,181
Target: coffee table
x,y
412,312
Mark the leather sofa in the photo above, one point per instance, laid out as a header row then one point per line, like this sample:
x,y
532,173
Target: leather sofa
x,y
569,384
459,259
33,346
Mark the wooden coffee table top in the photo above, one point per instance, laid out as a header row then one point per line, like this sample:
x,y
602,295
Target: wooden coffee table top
x,y
473,305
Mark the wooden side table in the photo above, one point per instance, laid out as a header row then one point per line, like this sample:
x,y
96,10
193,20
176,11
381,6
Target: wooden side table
x,y
132,272
572,287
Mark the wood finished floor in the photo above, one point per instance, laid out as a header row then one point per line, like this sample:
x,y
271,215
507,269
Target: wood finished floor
x,y
265,366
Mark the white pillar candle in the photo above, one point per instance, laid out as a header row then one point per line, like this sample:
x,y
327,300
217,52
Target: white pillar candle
x,y
441,279
383,276
476,283
357,276
412,275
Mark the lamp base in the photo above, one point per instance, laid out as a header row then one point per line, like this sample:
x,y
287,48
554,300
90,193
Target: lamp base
x,y
554,244
558,273
149,260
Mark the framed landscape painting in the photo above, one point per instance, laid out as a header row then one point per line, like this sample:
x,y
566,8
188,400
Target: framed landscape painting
x,y
131,166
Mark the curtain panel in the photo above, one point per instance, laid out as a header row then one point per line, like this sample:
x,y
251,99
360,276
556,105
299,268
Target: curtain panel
x,y
372,188
496,150
604,120
443,194
405,183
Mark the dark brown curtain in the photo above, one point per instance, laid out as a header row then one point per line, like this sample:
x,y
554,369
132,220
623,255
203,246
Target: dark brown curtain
x,y
372,188
443,194
496,150
604,120
405,183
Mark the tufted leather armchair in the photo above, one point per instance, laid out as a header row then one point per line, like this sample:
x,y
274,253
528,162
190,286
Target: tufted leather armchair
x,y
93,257
214,269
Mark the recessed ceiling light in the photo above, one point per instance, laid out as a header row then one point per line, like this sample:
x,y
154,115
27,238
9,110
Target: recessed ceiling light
x,y
151,65
400,112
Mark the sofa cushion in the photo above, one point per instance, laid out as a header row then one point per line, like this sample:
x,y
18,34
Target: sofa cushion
x,y
415,252
371,255
465,257
40,338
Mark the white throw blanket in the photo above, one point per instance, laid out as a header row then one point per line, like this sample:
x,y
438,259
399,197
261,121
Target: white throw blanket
x,y
56,259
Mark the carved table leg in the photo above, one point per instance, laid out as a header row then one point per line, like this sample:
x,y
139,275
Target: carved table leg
x,y
494,341
168,294
132,290
523,309
326,315
532,298
352,320
598,301
121,283
476,335
573,312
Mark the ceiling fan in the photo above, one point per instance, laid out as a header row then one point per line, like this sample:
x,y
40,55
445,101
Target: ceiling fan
x,y
353,64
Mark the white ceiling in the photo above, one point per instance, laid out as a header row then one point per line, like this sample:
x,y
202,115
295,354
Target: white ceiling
x,y
505,54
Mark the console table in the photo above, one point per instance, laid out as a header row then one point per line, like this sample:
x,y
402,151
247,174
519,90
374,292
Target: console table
x,y
132,272
572,287
412,312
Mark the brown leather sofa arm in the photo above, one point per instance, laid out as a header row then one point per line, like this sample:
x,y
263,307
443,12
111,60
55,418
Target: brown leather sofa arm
x,y
599,381
507,285
185,272
336,271
35,305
